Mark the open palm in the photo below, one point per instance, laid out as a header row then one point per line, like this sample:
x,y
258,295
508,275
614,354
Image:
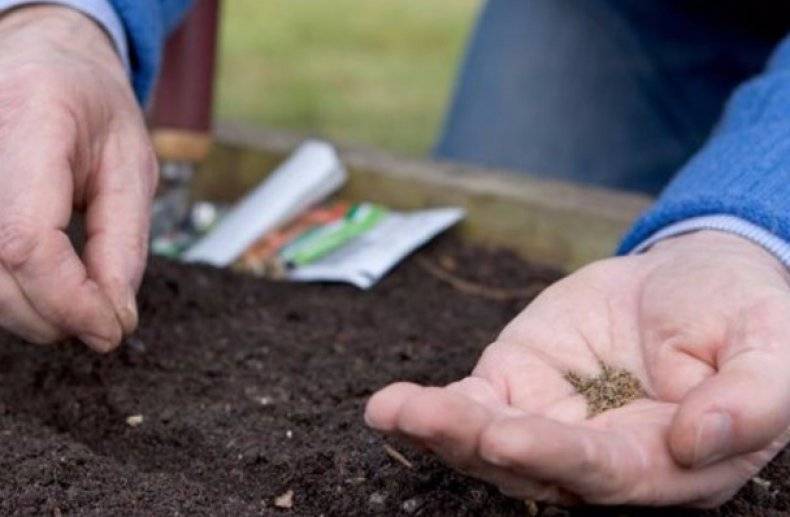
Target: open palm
x,y
701,321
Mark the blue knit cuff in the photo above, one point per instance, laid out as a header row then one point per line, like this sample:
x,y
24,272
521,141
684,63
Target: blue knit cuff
x,y
99,10
779,247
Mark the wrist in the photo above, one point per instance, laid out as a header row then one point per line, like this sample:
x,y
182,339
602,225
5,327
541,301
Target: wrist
x,y
721,245
64,28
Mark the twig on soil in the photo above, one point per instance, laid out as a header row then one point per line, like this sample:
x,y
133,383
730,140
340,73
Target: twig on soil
x,y
397,456
477,289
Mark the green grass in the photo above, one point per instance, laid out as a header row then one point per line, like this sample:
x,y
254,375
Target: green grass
x,y
373,71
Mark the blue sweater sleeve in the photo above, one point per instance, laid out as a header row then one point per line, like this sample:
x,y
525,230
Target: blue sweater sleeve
x,y
744,168
147,23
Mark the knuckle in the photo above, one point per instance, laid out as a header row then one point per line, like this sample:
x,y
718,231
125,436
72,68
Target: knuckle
x,y
17,243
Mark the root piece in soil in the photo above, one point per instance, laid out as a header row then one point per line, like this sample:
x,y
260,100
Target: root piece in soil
x,y
611,389
397,456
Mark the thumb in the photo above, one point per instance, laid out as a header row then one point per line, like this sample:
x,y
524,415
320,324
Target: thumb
x,y
745,405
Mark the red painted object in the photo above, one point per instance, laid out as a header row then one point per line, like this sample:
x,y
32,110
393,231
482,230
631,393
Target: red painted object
x,y
181,114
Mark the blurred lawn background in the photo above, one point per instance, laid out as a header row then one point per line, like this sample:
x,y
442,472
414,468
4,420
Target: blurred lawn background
x,y
376,72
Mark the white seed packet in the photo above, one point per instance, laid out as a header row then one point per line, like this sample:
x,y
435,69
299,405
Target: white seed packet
x,y
309,175
365,259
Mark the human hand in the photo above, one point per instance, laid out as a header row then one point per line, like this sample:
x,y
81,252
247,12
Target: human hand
x,y
71,137
701,320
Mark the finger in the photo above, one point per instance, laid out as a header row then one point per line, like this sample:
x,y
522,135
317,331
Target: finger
x,y
36,200
746,405
117,223
601,466
19,317
436,419
448,422
55,282
381,412
582,460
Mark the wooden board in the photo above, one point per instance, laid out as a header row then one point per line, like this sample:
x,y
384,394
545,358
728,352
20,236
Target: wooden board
x,y
544,221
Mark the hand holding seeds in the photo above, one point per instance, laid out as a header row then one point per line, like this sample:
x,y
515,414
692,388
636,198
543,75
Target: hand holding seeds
x,y
692,337
71,137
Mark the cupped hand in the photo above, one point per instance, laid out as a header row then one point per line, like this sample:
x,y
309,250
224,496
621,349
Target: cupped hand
x,y
702,320
71,138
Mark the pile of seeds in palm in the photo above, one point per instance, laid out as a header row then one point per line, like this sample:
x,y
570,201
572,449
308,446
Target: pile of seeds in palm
x,y
611,389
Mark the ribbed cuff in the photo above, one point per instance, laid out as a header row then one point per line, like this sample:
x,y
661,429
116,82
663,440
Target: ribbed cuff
x,y
101,11
725,223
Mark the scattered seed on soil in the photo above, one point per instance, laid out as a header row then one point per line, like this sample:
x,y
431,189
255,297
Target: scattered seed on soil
x,y
611,389
134,420
285,500
397,456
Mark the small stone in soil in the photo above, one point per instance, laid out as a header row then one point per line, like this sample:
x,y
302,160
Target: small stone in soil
x,y
611,389
285,500
411,505
377,499
134,420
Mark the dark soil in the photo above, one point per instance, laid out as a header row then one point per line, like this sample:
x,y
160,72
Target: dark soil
x,y
243,390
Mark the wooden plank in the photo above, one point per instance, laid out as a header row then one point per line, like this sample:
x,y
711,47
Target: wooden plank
x,y
544,221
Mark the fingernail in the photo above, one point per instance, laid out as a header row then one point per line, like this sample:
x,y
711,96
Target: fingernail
x,y
495,459
129,316
99,344
714,433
